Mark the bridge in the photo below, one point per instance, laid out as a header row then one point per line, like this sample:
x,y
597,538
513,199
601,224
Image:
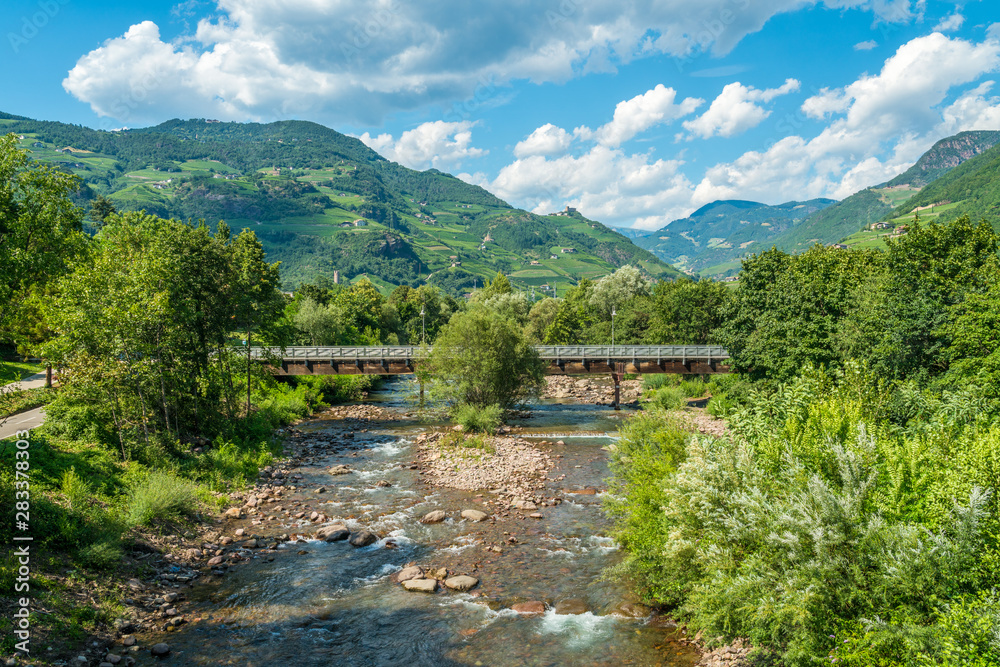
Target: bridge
x,y
562,359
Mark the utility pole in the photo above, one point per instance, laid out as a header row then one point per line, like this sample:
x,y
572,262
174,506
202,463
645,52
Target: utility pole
x,y
612,326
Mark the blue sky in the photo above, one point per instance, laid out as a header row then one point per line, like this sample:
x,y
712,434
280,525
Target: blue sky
x,y
636,113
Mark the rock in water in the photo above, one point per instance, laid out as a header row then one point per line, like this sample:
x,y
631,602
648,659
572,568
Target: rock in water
x,y
475,515
160,650
339,469
534,607
362,538
525,505
571,607
407,573
333,533
421,585
461,583
437,516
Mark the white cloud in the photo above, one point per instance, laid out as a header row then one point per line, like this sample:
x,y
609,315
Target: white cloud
x,y
736,110
866,46
950,23
642,112
546,140
876,128
339,61
437,144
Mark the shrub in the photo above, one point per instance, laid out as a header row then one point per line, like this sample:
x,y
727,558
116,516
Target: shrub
x,y
657,380
693,388
101,555
480,420
668,398
161,497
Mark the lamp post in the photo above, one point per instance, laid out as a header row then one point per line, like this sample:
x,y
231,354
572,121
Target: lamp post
x,y
423,325
612,326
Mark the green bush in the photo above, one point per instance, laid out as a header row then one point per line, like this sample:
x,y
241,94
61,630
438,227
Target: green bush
x,y
668,398
161,497
336,389
693,388
821,522
479,420
657,380
101,555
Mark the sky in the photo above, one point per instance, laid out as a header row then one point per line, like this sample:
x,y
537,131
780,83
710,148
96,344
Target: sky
x,y
636,113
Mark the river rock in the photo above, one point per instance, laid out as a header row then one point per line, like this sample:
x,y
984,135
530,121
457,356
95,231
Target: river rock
x,y
437,516
461,583
572,606
533,607
362,538
234,513
160,650
524,505
475,515
421,585
407,573
215,561
333,533
113,658
633,610
339,469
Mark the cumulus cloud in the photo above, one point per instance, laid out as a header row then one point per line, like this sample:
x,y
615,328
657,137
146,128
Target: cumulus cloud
x,y
875,128
642,112
546,140
866,46
950,23
736,110
339,61
436,144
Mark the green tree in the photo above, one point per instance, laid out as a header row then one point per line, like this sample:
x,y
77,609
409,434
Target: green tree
x,y
482,359
685,311
540,317
614,290
322,324
40,234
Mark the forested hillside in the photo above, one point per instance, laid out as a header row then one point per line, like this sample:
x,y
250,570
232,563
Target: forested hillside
x,y
323,202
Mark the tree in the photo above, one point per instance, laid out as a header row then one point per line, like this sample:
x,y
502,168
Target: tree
x,y
101,208
615,289
685,311
482,359
40,232
321,324
540,317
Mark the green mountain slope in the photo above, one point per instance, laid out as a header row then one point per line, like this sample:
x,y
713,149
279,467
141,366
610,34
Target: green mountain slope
x,y
834,223
944,156
323,202
973,189
723,231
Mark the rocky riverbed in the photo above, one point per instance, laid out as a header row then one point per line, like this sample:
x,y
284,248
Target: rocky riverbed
x,y
373,510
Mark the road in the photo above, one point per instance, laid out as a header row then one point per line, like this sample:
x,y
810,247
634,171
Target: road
x,y
23,420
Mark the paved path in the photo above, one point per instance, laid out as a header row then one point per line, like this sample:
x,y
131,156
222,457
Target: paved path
x,y
21,421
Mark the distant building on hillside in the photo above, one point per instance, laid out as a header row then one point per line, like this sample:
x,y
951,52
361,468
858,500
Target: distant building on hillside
x,y
881,225
568,250
534,262
838,246
360,222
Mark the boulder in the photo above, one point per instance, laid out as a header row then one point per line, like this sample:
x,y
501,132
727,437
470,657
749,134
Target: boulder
x,y
407,573
524,505
327,532
339,469
437,516
234,513
421,585
160,649
362,538
534,607
572,606
461,583
475,515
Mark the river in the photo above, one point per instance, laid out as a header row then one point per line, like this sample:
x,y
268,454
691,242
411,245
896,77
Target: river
x,y
318,603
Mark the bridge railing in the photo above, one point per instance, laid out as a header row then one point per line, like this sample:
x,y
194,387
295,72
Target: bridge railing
x,y
547,352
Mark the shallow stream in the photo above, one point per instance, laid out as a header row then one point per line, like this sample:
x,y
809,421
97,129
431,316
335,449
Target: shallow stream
x,y
318,603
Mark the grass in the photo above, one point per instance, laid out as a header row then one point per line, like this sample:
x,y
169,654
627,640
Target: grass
x,y
162,497
13,402
13,371
467,445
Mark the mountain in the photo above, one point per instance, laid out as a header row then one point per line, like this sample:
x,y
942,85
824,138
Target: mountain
x,y
944,156
323,202
711,239
972,189
885,201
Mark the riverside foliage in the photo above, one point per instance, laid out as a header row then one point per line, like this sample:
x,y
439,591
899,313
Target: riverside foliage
x,y
851,515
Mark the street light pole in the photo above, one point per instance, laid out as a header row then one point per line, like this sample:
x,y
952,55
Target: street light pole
x,y
423,325
612,326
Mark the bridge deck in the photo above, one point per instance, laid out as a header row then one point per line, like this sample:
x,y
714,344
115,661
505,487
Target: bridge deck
x,y
563,359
